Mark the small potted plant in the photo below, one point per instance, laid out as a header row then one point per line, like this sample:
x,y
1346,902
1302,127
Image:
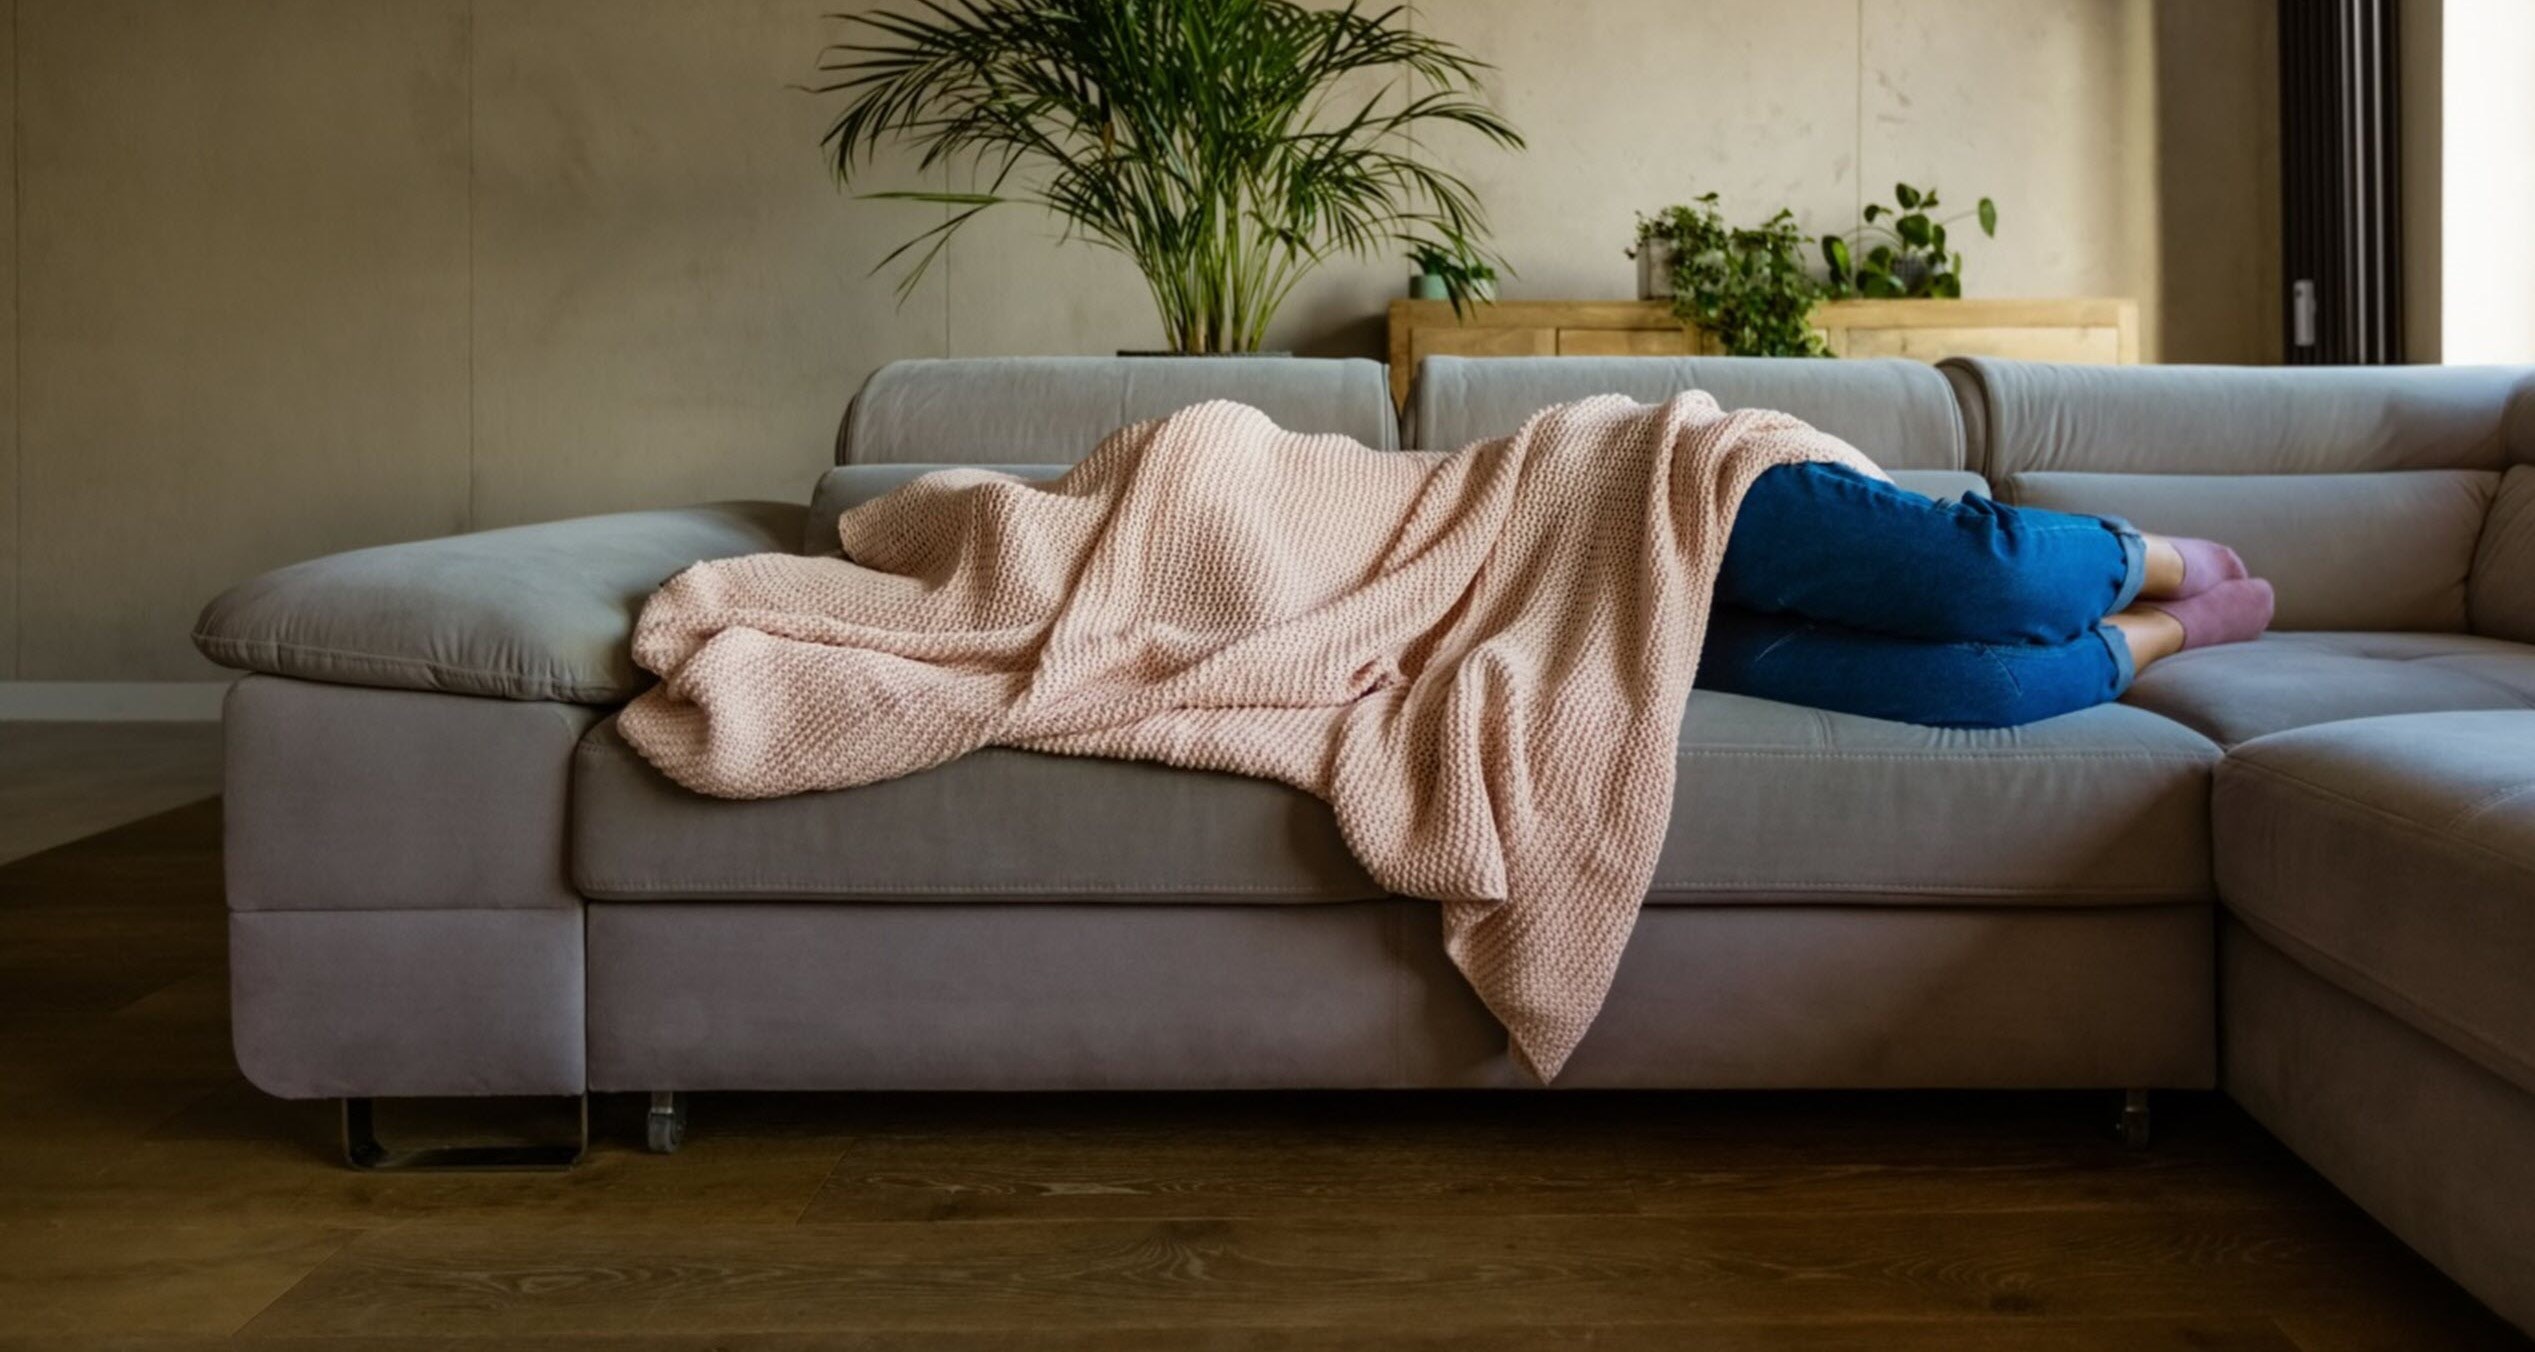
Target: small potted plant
x,y
1745,287
1907,258
1457,275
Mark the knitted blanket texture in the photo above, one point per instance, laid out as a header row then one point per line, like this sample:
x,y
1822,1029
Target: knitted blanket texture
x,y
1478,659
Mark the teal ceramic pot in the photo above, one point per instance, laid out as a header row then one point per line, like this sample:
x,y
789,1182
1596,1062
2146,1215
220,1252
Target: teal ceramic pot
x,y
1428,286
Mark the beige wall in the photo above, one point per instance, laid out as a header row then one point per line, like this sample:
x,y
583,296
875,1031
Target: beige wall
x,y
8,350
298,275
2422,36
242,304
2218,177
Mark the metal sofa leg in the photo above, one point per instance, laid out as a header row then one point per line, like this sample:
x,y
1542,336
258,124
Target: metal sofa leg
x,y
2134,1119
361,1148
665,1127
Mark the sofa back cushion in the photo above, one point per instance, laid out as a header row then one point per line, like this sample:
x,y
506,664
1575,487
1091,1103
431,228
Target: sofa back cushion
x,y
1054,410
2040,417
2360,492
1898,412
2344,551
850,486
2501,599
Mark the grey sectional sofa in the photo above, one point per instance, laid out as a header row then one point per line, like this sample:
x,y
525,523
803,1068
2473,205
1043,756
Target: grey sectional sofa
x,y
2303,869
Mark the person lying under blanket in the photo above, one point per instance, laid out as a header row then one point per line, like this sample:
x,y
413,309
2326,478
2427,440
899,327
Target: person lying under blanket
x,y
1478,658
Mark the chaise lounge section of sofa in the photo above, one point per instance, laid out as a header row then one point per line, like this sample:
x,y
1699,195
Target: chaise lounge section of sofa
x,y
2374,820
450,876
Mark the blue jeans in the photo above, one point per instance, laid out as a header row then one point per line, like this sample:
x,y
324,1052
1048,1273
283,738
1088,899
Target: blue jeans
x,y
1847,593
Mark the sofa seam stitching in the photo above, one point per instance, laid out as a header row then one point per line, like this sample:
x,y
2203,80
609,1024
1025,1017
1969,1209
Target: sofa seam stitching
x,y
205,638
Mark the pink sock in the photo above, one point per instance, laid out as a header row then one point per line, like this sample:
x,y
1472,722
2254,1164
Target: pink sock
x,y
2206,563
2229,612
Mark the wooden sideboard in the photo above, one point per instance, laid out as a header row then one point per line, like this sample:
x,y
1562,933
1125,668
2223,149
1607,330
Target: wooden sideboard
x,y
2097,331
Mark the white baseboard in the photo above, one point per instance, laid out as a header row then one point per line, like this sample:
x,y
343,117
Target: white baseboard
x,y
111,701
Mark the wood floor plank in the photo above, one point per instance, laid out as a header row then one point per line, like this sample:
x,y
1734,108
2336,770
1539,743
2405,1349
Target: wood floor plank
x,y
62,781
87,1279
241,1156
2435,1318
151,1201
2028,1335
1345,1271
982,1157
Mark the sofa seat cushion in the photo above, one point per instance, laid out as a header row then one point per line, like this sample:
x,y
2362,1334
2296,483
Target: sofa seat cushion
x,y
994,824
1775,804
2237,692
2395,857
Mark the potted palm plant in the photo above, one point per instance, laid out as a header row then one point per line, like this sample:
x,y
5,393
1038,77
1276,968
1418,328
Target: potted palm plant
x,y
1227,147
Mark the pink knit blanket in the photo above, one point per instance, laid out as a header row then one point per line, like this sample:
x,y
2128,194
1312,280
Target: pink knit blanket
x,y
1478,659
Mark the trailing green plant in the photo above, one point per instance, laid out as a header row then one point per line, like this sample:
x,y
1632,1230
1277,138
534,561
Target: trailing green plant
x,y
1747,286
1227,147
1901,251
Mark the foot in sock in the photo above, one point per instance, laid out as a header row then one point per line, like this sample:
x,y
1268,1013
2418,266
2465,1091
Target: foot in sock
x,y
2196,566
2227,612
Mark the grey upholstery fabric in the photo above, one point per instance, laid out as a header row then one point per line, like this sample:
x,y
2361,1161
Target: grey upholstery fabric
x,y
2241,691
1898,412
1941,483
849,486
1780,803
342,798
2501,596
528,613
1054,410
2518,422
1360,995
359,1004
2039,416
996,824
2344,551
2431,1144
2396,858
2108,805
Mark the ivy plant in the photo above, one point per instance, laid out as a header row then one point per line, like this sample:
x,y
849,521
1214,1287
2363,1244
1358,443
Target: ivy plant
x,y
1901,251
1746,285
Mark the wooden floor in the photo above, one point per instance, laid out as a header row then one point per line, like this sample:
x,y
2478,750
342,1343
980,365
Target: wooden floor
x,y
151,1200
62,781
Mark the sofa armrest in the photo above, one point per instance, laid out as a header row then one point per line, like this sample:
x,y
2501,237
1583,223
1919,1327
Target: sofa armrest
x,y
849,486
540,612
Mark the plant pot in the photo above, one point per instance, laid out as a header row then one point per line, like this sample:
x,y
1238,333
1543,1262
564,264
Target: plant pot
x,y
1428,286
1166,352
1654,270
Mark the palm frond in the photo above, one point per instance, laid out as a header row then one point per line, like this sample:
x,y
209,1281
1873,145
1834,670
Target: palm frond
x,y
1227,147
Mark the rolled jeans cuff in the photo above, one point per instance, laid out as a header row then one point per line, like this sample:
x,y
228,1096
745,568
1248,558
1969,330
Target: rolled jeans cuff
x,y
2125,667
2134,566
